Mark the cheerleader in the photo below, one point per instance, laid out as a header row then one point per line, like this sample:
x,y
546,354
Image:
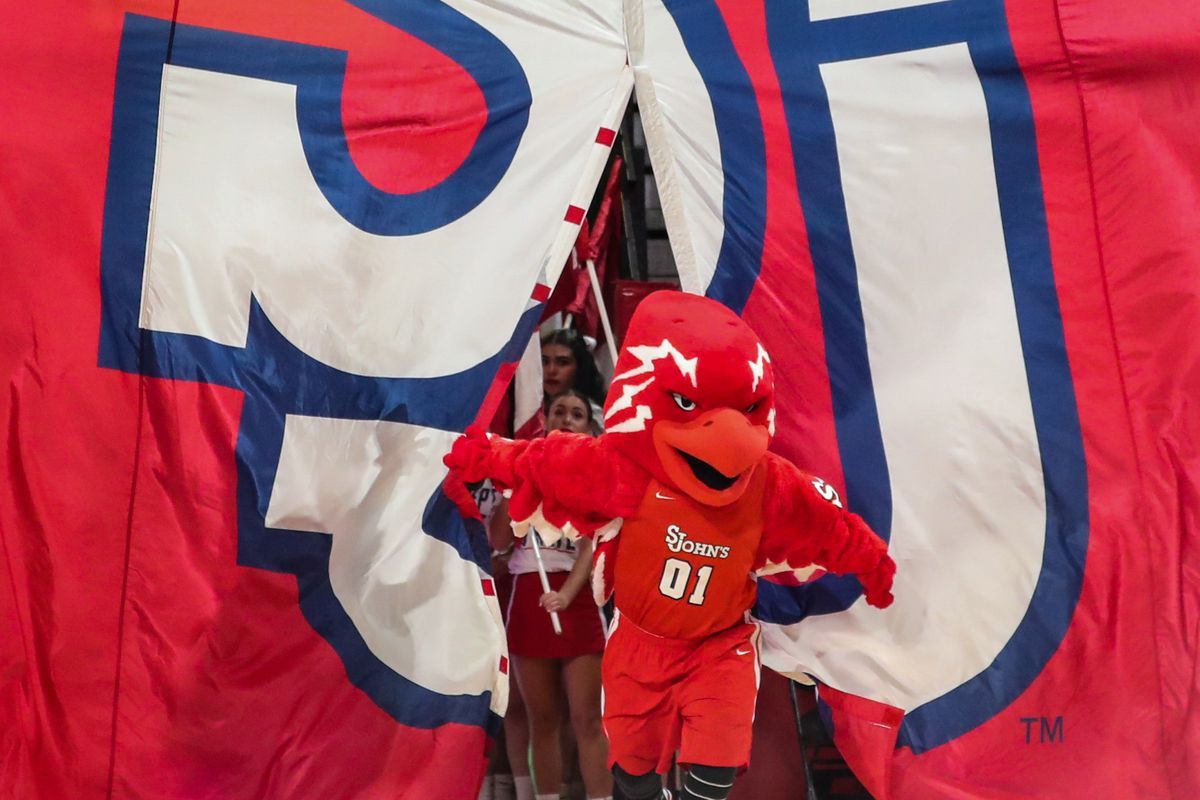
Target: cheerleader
x,y
549,666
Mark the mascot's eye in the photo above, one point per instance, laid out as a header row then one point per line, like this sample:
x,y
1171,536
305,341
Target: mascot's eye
x,y
683,402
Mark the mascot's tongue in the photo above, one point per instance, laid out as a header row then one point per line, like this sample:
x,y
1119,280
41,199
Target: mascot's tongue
x,y
711,457
709,475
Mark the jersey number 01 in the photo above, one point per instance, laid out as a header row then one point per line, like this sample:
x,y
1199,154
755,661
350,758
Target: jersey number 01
x,y
674,581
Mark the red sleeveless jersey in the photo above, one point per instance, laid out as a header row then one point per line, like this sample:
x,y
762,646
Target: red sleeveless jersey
x,y
682,568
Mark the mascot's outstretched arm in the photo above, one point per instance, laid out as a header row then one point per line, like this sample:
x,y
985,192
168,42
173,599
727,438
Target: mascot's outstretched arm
x,y
565,484
806,526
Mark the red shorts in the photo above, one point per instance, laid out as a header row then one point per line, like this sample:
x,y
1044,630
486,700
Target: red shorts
x,y
530,632
691,695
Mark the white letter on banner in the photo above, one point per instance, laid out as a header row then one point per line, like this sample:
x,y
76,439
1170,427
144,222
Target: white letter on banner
x,y
407,592
969,512
236,211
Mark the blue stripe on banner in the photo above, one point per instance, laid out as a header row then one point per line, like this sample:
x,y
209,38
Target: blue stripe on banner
x,y
798,48
743,151
276,377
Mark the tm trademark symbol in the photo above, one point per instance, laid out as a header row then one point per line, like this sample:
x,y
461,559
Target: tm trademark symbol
x,y
1048,730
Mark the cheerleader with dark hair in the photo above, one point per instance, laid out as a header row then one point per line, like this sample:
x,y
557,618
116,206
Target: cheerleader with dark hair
x,y
549,666
568,364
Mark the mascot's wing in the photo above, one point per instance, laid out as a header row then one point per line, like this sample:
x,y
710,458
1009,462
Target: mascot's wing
x,y
806,528
565,484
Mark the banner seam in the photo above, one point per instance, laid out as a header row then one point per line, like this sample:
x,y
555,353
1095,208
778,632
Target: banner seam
x,y
133,485
137,460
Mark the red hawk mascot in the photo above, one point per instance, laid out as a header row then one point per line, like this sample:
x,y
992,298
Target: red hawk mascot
x,y
688,509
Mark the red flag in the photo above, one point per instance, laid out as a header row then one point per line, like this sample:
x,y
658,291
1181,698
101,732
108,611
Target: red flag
x,y
573,278
603,249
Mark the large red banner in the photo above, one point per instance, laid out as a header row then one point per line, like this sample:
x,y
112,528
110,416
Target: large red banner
x,y
967,234
967,230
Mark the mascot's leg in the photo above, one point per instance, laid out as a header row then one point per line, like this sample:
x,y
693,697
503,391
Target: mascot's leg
x,y
640,716
716,703
708,783
647,786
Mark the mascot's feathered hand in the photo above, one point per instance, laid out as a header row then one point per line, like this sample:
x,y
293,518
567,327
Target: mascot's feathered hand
x,y
690,415
469,462
807,528
566,484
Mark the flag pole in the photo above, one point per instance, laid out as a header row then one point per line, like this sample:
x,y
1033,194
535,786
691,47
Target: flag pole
x,y
568,318
608,333
537,555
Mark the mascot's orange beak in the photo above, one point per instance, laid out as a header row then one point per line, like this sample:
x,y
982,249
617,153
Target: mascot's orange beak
x,y
712,457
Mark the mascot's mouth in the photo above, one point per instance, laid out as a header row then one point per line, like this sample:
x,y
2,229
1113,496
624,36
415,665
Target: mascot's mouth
x,y
707,474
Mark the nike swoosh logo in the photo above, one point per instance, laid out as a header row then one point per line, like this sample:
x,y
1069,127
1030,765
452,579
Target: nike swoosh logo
x,y
662,496
742,652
